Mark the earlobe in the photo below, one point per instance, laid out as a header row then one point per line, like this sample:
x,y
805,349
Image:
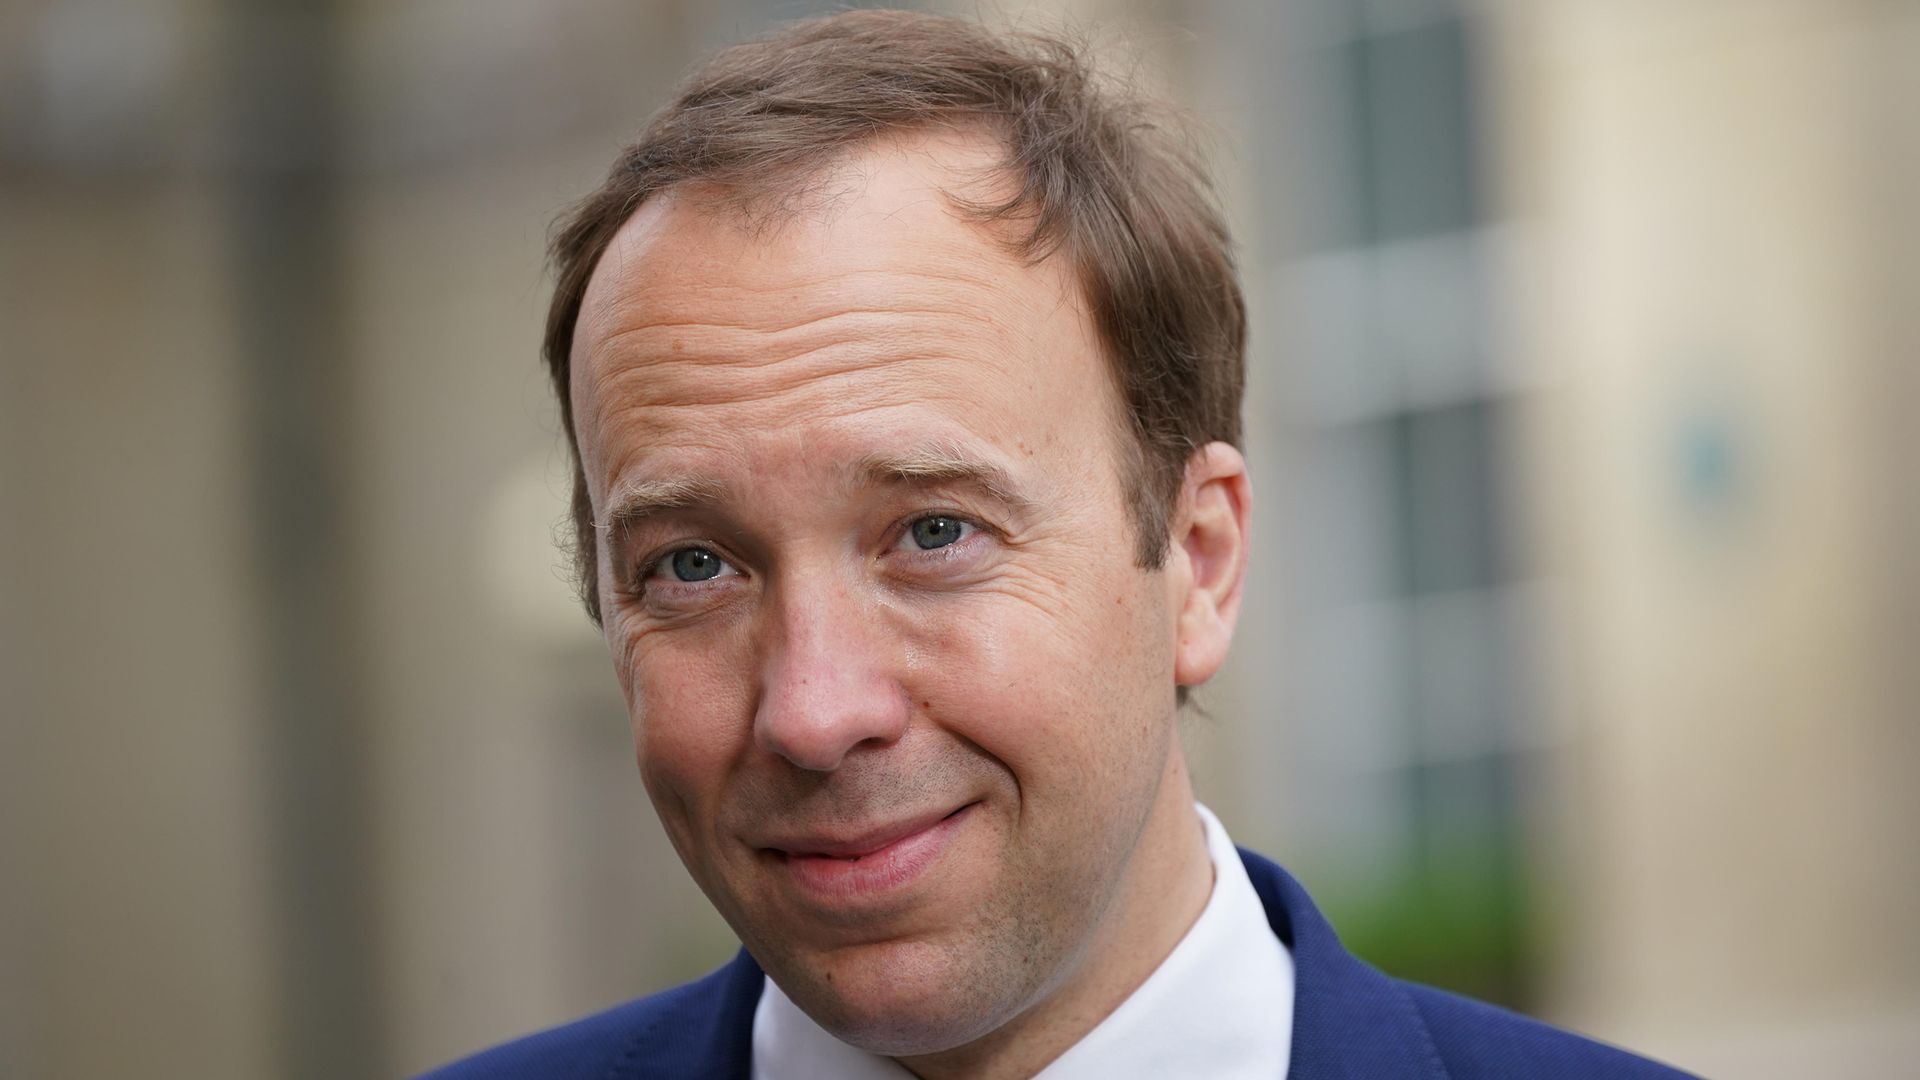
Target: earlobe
x,y
1212,530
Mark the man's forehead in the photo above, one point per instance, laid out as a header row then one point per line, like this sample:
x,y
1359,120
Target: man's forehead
x,y
892,313
848,215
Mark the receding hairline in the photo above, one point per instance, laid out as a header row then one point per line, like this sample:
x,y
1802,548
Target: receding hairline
x,y
1107,175
956,164
969,160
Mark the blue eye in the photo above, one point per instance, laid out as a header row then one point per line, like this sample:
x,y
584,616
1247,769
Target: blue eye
x,y
936,532
695,564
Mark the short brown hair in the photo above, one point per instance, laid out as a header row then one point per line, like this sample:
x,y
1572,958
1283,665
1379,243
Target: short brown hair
x,y
1098,173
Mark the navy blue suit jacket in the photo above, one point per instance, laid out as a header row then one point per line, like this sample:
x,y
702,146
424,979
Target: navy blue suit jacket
x,y
1350,1022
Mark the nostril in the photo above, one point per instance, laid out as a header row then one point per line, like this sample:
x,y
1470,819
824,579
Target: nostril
x,y
814,718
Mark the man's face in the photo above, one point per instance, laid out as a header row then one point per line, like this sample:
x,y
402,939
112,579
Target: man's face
x,y
900,693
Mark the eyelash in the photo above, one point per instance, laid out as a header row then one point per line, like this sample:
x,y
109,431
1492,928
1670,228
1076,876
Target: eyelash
x,y
976,527
652,568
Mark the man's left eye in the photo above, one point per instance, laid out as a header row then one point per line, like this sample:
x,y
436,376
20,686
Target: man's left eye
x,y
691,566
937,531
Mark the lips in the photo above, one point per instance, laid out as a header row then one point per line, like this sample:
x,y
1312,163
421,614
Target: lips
x,y
853,845
848,865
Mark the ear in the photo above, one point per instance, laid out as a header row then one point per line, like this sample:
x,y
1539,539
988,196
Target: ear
x,y
1210,535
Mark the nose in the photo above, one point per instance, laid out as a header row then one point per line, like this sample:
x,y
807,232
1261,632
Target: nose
x,y
828,683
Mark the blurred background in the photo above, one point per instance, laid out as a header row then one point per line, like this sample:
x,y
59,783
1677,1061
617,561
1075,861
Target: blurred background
x,y
1581,666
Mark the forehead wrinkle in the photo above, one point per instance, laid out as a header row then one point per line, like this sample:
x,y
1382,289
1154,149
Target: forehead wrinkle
x,y
652,356
816,359
632,302
769,384
620,343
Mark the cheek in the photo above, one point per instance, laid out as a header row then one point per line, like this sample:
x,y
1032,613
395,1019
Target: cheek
x,y
690,709
1063,696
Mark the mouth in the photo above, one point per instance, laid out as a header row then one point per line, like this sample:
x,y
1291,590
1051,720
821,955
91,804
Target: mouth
x,y
868,863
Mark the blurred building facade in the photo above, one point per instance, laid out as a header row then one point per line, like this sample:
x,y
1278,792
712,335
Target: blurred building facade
x,y
1577,668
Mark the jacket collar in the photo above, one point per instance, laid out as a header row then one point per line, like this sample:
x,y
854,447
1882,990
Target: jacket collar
x,y
1349,1020
703,1028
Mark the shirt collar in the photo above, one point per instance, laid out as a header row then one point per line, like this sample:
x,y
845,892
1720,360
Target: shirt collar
x,y
1219,1005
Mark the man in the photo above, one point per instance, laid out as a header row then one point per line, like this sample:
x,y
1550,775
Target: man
x,y
902,365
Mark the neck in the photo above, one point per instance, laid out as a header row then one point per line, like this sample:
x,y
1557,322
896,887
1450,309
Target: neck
x,y
1165,887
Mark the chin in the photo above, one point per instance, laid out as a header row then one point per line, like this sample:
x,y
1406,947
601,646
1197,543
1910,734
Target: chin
x,y
903,1000
898,1028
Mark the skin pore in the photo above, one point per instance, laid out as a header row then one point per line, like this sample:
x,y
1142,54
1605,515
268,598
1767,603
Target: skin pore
x,y
868,573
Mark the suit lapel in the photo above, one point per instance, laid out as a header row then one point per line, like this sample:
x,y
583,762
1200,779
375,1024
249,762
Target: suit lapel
x,y
1349,1020
703,1029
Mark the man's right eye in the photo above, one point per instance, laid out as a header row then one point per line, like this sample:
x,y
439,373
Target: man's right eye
x,y
692,565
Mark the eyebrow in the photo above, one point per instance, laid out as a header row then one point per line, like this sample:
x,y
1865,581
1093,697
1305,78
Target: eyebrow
x,y
933,463
943,462
636,500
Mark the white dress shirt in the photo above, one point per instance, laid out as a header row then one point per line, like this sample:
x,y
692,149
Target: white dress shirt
x,y
1219,1006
